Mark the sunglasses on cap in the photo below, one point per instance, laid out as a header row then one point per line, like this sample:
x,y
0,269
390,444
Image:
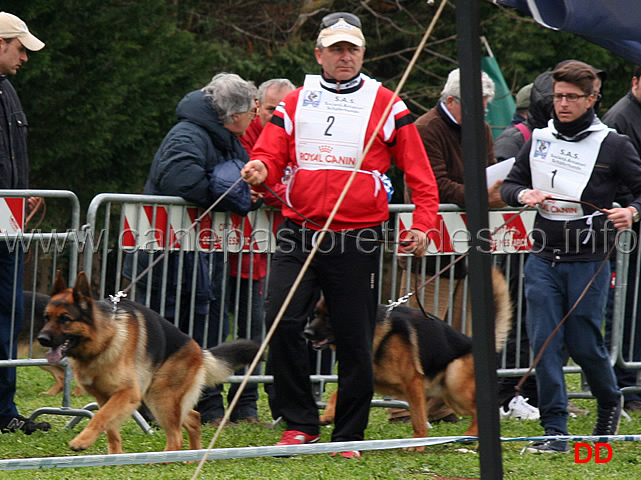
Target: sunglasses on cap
x,y
333,18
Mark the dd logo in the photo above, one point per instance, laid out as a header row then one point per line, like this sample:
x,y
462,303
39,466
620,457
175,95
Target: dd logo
x,y
588,447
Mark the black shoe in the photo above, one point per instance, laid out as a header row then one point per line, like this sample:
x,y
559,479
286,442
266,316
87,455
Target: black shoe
x,y
451,418
26,425
607,422
632,406
405,419
550,446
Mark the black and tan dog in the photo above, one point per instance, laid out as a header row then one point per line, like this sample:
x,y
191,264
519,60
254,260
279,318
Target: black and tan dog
x,y
130,355
417,357
34,319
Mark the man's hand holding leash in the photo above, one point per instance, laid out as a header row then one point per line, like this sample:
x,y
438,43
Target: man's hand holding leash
x,y
532,198
254,173
415,242
621,218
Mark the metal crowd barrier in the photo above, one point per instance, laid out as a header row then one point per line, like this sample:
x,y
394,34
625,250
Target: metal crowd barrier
x,y
44,253
124,234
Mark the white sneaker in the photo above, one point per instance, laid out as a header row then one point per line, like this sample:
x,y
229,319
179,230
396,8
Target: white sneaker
x,y
519,408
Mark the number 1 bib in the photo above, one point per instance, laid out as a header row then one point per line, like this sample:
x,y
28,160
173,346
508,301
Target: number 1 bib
x,y
563,170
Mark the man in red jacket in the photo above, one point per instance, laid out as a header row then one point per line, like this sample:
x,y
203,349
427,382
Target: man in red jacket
x,y
321,131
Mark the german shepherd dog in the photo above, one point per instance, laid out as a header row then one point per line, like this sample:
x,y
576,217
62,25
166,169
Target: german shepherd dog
x,y
131,355
417,356
39,302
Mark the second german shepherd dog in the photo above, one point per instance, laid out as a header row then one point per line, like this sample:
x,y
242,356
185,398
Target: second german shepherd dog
x,y
133,354
417,356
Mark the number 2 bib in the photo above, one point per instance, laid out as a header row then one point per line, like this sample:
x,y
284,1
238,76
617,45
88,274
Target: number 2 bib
x,y
330,127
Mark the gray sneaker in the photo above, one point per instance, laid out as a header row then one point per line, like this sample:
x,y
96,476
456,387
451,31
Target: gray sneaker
x,y
550,446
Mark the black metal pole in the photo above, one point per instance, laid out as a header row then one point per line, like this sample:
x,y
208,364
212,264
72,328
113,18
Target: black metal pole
x,y
474,160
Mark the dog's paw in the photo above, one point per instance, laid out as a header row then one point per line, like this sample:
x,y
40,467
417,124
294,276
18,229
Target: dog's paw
x,y
80,443
325,420
52,391
415,449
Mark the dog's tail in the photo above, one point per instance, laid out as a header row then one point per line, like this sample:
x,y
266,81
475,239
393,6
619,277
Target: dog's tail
x,y
502,307
221,361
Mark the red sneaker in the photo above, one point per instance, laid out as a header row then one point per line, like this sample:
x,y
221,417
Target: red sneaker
x,y
351,454
294,437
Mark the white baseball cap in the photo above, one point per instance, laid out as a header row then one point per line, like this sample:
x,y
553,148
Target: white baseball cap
x,y
12,27
341,31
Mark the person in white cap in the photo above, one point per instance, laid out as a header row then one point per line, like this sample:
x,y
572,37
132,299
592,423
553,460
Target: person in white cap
x,y
15,40
321,130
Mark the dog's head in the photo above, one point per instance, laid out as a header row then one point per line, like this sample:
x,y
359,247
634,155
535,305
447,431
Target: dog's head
x,y
319,331
69,319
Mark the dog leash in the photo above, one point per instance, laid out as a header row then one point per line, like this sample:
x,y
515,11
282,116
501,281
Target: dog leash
x,y
323,231
402,243
537,359
115,299
405,298
539,355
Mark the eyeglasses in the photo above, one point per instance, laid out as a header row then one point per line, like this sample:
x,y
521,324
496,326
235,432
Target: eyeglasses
x,y
333,18
570,97
253,112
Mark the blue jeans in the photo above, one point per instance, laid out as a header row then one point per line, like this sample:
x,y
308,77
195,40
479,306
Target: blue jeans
x,y
551,289
9,262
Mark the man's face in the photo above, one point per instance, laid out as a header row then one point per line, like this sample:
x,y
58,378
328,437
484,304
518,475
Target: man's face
x,y
636,88
341,61
453,106
566,110
12,55
273,96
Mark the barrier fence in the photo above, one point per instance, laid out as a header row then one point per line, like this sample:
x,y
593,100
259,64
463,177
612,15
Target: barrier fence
x,y
223,261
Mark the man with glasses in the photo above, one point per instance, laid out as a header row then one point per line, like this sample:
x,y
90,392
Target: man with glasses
x,y
321,129
569,171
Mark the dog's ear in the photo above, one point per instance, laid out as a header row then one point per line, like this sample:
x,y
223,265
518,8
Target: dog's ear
x,y
81,290
321,306
59,284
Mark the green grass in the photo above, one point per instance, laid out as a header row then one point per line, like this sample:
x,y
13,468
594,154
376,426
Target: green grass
x,y
453,460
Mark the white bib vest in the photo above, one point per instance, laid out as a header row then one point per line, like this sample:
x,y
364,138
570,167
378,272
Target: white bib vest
x,y
563,169
330,127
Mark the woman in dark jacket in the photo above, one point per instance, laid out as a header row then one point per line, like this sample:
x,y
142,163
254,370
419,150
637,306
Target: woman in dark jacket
x,y
210,121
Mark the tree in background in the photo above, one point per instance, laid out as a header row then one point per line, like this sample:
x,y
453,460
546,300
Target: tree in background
x,y
102,95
